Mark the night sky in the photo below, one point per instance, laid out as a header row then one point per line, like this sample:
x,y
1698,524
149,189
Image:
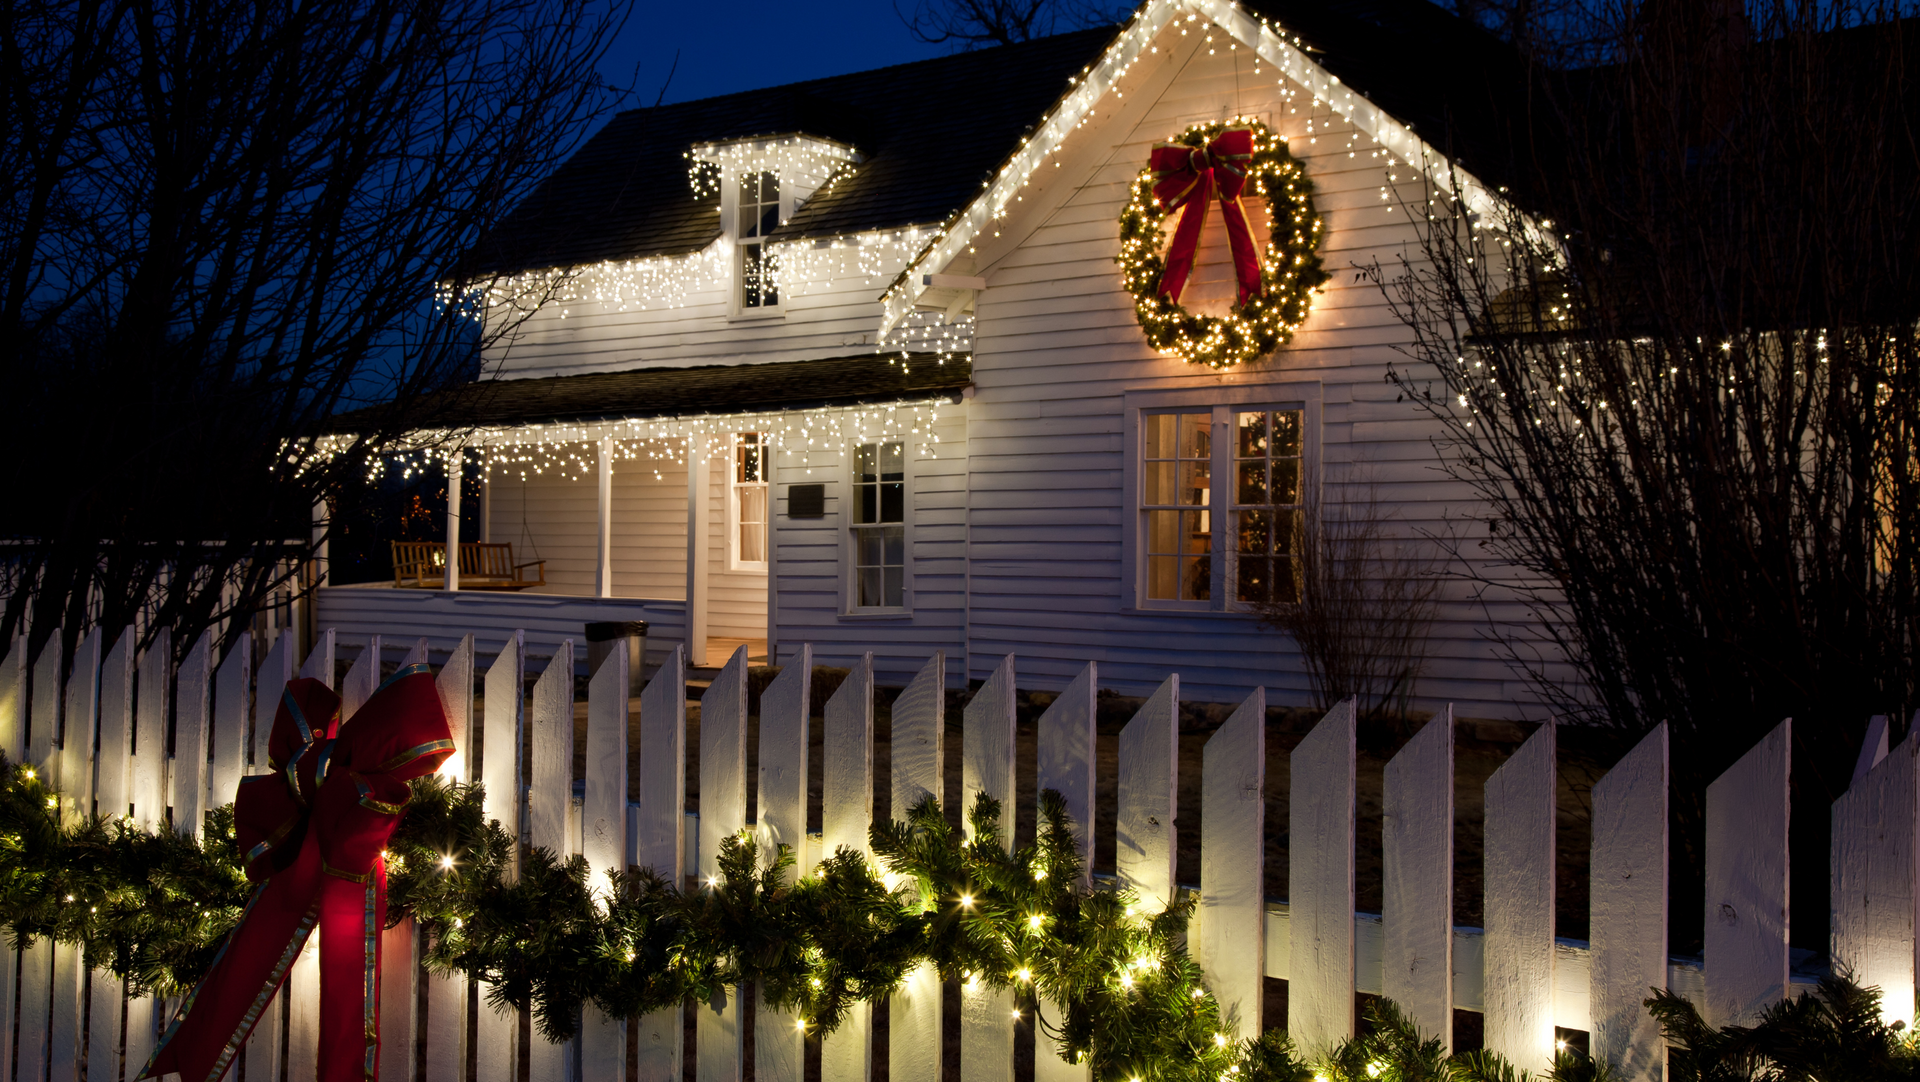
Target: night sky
x,y
746,44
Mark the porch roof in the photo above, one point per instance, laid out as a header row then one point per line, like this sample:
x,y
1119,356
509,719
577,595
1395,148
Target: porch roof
x,y
860,379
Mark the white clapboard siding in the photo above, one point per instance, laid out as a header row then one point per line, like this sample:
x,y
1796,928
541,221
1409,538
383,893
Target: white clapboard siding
x,y
723,814
918,771
549,804
1746,848
658,830
1417,878
846,802
1519,877
779,1037
1233,812
497,1039
1629,877
445,1028
603,842
1149,793
987,766
79,716
1064,746
1321,807
113,764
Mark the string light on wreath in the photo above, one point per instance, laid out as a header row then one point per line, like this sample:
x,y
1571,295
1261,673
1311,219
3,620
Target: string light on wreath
x,y
1289,268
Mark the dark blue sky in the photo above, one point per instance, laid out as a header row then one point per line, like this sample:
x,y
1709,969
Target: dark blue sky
x,y
747,44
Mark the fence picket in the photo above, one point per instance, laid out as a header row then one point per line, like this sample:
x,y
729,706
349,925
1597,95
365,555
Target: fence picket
x,y
723,812
187,773
232,705
302,990
549,802
36,962
66,1049
1629,905
362,678
1233,806
1320,832
1519,875
399,964
779,1042
13,738
846,802
917,771
106,993
1065,741
659,830
498,1032
1148,791
1417,878
1747,861
987,766
445,1028
603,842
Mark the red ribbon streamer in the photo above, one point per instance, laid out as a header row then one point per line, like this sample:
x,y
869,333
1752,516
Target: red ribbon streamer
x,y
312,834
1185,180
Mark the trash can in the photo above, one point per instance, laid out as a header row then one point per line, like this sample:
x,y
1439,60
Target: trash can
x,y
606,636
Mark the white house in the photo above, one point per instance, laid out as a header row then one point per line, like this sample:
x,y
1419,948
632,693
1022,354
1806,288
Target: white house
x,y
851,363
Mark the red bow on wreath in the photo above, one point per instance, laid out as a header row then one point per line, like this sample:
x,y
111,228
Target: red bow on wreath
x,y
312,834
1189,177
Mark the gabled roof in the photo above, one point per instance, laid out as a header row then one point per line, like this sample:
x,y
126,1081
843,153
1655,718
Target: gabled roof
x,y
932,131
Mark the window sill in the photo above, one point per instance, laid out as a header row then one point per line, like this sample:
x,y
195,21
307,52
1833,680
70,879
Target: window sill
x,y
1156,610
757,315
878,615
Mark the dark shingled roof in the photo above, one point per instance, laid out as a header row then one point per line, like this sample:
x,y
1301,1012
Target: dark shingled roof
x,y
864,378
932,131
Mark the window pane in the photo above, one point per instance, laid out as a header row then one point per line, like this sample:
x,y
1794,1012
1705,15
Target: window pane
x,y
1160,435
1160,482
1162,578
864,461
1196,435
1163,532
896,588
893,542
769,218
1253,435
752,287
866,504
872,587
749,189
1286,533
1286,480
1255,532
753,542
1256,579
893,462
1195,575
1286,581
1253,481
893,501
1195,479
753,504
1193,532
1286,433
867,542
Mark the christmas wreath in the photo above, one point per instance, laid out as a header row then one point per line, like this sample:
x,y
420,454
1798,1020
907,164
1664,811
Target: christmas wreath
x,y
1221,161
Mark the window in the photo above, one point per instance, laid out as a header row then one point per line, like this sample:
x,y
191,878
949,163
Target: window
x,y
747,502
757,214
1219,483
879,526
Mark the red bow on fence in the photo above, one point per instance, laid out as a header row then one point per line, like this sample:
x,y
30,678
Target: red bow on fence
x,y
1189,177
311,834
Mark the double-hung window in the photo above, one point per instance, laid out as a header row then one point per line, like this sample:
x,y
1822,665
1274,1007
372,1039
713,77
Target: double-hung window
x,y
879,526
1219,493
747,502
756,216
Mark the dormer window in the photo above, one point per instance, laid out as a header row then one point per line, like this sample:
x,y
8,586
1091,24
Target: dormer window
x,y
756,216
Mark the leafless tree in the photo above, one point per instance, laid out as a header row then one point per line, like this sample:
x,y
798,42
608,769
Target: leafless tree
x,y
974,24
227,221
1681,369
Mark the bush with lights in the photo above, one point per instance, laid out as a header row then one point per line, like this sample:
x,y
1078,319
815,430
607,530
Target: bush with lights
x,y
1290,268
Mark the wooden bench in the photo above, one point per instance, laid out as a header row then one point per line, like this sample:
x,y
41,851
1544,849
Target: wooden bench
x,y
422,565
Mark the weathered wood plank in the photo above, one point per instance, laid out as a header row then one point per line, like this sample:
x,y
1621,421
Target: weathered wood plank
x,y
302,990
1746,961
603,842
987,767
147,774
1417,878
1065,739
445,1031
113,775
917,771
79,716
659,830
1629,906
1519,855
228,720
779,1038
846,802
36,962
549,800
192,729
1320,824
723,813
1873,895
276,670
362,678
1148,795
497,1038
13,743
1230,941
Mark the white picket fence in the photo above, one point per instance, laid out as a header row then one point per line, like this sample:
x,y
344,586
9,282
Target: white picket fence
x,y
74,1022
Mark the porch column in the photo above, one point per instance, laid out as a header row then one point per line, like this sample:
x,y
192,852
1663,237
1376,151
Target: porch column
x,y
486,505
699,474
456,467
321,517
603,570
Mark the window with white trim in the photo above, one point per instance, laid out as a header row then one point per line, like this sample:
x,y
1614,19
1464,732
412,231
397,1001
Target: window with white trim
x,y
879,528
747,502
756,216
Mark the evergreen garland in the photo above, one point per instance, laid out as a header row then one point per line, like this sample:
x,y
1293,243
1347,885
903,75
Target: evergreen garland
x,y
154,907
